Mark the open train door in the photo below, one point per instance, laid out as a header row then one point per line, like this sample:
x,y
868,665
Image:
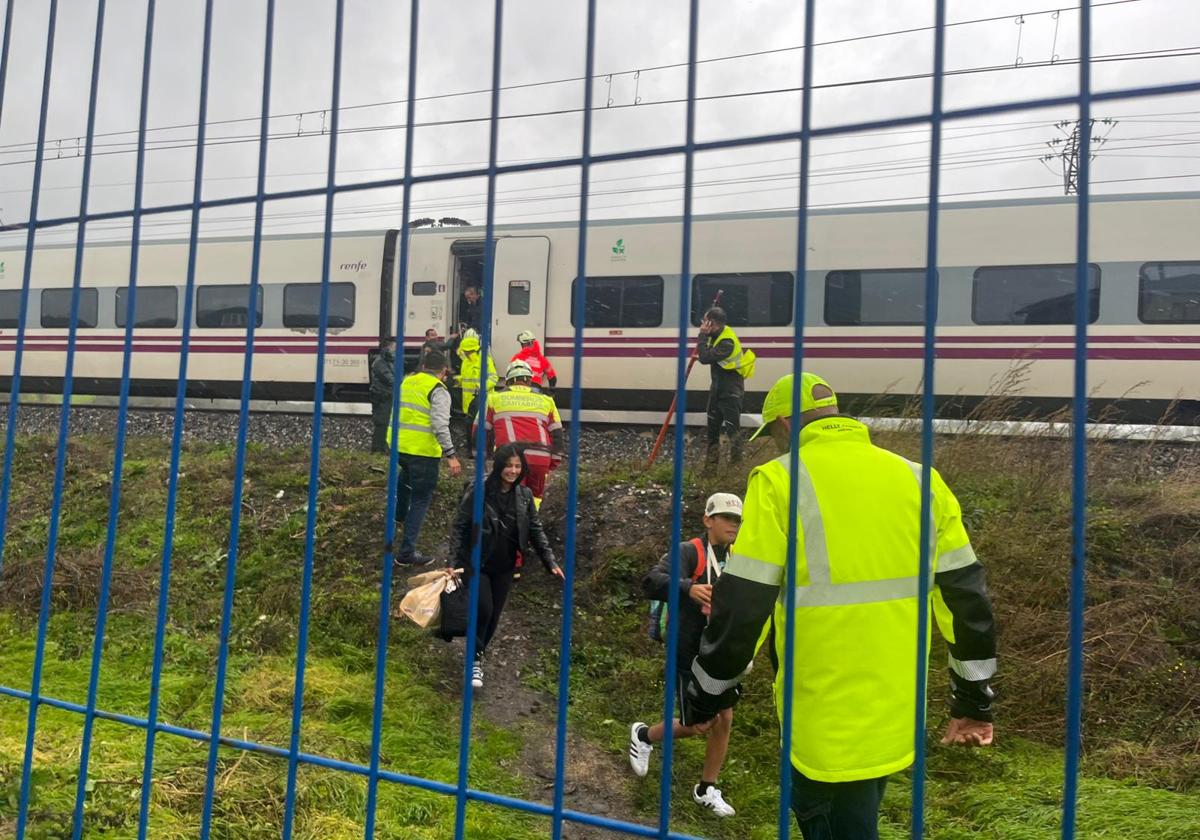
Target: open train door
x,y
520,293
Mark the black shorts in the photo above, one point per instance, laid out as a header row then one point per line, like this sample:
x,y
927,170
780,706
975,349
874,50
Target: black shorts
x,y
681,709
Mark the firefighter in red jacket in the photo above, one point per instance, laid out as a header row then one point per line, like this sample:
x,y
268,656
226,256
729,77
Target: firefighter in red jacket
x,y
521,415
542,373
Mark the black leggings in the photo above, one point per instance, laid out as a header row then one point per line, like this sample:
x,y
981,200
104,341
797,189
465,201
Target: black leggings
x,y
493,593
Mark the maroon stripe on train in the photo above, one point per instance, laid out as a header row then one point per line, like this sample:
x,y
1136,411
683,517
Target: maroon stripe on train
x,y
567,343
1099,353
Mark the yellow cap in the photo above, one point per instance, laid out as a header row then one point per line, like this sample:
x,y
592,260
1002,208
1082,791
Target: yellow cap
x,y
779,399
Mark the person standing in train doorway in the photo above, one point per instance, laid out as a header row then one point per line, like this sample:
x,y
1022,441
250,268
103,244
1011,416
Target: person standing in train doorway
x,y
470,310
731,366
382,378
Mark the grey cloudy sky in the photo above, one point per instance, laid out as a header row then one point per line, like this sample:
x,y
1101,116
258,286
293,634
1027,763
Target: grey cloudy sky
x,y
1154,142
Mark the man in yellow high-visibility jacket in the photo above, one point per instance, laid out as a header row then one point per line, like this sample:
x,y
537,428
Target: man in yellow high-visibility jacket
x,y
857,565
423,439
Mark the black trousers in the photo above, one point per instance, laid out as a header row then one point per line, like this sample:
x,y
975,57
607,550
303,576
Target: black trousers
x,y
837,810
494,587
381,416
725,415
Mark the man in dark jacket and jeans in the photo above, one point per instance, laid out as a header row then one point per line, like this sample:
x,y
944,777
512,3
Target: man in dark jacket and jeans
x,y
383,377
697,573
720,349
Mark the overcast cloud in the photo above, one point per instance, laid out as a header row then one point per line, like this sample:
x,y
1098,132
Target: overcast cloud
x,y
1154,140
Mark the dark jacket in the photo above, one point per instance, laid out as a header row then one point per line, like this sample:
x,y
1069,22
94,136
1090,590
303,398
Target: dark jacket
x,y
471,314
438,345
529,530
383,376
656,586
724,382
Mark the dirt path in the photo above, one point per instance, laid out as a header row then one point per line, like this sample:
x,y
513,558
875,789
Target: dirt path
x,y
596,780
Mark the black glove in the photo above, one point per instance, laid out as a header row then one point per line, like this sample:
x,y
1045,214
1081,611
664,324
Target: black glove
x,y
702,706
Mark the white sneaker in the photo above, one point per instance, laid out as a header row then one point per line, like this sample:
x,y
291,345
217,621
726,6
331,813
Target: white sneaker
x,y
713,801
477,674
639,751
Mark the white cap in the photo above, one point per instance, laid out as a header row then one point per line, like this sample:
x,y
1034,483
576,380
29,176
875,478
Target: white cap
x,y
726,503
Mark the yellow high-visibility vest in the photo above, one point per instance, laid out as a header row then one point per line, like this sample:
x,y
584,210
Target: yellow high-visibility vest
x,y
740,360
469,377
416,424
525,414
854,694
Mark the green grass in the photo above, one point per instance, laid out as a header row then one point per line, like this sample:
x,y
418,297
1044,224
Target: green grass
x,y
1012,791
1142,673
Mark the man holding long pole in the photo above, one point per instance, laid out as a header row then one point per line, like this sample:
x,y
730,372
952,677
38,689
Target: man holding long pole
x,y
720,349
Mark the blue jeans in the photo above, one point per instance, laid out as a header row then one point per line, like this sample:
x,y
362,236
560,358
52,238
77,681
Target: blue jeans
x,y
837,810
416,479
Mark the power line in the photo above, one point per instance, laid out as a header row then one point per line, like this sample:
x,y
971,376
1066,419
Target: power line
x,y
568,80
1140,55
875,171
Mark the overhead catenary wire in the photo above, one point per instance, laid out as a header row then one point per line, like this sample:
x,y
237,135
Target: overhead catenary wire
x,y
874,171
189,143
568,80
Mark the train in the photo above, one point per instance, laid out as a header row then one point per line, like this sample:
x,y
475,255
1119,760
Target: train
x,y
1005,306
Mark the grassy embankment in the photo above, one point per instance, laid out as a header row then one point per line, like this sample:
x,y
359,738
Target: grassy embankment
x,y
1140,774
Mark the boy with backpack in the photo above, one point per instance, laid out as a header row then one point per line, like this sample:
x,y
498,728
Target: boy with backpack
x,y
700,563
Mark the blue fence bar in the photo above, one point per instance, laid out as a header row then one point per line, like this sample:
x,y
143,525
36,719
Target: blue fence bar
x,y
798,315
239,470
480,433
314,467
52,537
928,532
114,502
681,372
164,580
578,308
461,790
1079,404
389,518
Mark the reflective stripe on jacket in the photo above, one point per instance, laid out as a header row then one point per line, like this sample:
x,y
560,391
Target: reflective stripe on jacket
x,y
416,423
521,414
739,360
857,562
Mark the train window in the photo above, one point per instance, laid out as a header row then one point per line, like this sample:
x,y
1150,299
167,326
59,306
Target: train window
x,y
762,299
56,307
1169,293
225,306
302,305
155,306
10,309
518,297
875,297
424,288
621,301
1031,294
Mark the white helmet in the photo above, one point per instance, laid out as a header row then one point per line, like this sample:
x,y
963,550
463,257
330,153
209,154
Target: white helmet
x,y
526,337
518,370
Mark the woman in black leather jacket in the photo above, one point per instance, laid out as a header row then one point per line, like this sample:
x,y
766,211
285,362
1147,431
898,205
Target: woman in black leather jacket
x,y
510,524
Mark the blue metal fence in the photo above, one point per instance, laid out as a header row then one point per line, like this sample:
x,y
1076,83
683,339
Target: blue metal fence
x,y
463,793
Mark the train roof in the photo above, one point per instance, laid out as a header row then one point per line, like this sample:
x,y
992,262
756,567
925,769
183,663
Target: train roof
x,y
478,230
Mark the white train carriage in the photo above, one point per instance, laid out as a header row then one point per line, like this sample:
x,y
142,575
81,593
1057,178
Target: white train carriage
x,y
285,316
1005,306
